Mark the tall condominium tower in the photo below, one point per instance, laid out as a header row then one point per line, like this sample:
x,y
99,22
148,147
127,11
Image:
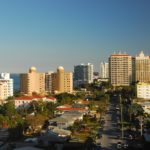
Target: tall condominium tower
x,y
62,81
6,86
90,70
120,69
48,82
32,82
142,68
83,74
104,70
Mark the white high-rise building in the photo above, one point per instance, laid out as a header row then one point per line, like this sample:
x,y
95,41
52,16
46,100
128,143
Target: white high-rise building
x,y
6,84
104,70
90,70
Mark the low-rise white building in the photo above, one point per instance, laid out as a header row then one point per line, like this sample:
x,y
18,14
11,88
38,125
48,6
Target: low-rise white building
x,y
143,90
24,101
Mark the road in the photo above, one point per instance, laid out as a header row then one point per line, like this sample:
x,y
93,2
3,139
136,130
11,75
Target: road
x,y
110,132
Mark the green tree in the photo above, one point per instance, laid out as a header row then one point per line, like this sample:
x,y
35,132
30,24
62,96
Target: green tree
x,y
35,121
135,110
65,98
50,109
9,109
3,121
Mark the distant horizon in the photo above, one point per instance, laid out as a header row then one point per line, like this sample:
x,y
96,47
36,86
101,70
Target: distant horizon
x,y
47,34
27,69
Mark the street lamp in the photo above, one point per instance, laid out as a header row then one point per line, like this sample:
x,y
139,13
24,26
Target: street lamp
x,y
121,113
141,125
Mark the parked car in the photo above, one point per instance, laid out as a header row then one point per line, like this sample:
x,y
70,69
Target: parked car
x,y
98,146
1,143
31,140
125,146
119,145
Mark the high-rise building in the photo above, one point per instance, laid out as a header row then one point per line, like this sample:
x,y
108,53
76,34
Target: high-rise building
x,y
48,82
142,68
6,86
120,69
90,71
104,70
83,74
62,81
32,82
3,91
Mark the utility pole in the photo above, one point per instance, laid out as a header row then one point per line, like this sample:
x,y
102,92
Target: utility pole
x,y
141,125
121,113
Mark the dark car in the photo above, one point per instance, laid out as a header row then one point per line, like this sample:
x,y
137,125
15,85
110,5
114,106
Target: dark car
x,y
98,146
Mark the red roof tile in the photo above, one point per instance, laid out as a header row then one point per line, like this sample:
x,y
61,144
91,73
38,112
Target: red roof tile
x,y
71,109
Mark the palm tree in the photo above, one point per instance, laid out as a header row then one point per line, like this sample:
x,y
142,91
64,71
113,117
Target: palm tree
x,y
135,110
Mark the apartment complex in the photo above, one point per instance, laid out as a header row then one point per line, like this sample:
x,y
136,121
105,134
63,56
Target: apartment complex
x,y
44,83
32,82
3,90
83,74
142,68
143,90
62,81
104,70
6,86
120,69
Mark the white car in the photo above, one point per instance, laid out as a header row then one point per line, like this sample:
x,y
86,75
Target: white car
x,y
119,145
32,140
125,145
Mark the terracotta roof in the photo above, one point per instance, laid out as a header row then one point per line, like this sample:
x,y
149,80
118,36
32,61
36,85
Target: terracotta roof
x,y
51,98
25,98
119,55
71,109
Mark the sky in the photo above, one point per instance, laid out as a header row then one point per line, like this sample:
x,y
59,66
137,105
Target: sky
x,y
51,33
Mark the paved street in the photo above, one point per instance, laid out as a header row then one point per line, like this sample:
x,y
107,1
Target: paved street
x,y
110,134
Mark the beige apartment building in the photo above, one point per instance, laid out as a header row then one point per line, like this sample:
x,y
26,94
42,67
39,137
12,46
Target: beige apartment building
x,y
41,83
120,69
62,81
32,82
3,91
143,90
142,67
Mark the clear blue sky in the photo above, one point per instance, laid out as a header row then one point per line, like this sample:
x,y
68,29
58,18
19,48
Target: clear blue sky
x,y
49,33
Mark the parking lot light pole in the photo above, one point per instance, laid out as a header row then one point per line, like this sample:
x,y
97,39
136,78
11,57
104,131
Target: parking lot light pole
x,y
121,113
141,125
